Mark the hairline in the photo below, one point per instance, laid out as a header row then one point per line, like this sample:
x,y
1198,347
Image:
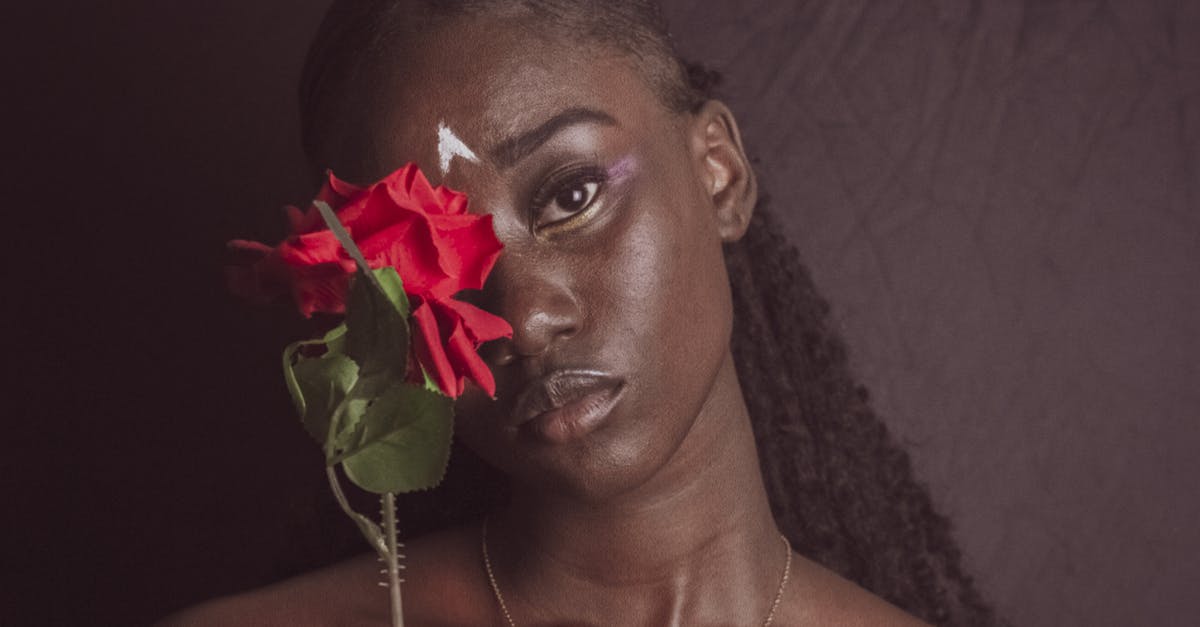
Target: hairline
x,y
324,114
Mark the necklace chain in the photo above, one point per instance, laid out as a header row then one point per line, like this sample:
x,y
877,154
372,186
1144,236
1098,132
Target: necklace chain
x,y
487,564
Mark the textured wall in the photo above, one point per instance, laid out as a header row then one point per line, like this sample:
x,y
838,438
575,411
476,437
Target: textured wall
x,y
1002,201
1000,198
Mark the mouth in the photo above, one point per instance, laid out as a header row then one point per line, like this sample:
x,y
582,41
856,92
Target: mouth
x,y
566,405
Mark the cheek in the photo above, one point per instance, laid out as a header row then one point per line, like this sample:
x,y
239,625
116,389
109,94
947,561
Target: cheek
x,y
666,273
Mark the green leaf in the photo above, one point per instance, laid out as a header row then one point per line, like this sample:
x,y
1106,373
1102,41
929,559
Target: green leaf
x,y
377,324
393,288
376,309
335,338
390,436
403,443
430,384
319,385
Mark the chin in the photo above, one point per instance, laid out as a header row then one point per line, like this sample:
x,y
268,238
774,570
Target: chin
x,y
615,459
602,468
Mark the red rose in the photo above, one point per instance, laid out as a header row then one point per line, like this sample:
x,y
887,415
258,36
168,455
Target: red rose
x,y
425,233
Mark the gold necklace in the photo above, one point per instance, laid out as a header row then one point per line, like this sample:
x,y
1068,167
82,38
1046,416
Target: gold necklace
x,y
487,564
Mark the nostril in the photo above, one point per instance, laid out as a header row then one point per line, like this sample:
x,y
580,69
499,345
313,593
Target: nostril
x,y
541,308
539,329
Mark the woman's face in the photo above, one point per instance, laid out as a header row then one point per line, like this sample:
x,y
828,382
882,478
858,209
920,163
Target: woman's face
x,y
612,274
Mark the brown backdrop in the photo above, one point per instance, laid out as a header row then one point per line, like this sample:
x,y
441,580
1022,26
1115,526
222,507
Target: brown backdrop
x,y
1000,198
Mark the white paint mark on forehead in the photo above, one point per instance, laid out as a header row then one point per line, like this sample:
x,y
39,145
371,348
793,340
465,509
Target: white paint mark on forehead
x,y
450,146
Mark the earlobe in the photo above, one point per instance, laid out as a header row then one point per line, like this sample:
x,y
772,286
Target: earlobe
x,y
724,169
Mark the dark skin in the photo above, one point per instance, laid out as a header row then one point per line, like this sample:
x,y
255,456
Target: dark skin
x,y
612,223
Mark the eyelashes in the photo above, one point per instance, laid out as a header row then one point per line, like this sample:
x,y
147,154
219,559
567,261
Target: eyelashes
x,y
567,200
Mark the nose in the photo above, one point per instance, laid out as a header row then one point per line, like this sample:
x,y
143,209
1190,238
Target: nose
x,y
543,311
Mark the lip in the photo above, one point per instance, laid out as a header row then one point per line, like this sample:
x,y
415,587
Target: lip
x,y
566,405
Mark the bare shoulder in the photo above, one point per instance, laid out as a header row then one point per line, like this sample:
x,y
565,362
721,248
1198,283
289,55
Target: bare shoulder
x,y
822,597
445,582
329,596
443,586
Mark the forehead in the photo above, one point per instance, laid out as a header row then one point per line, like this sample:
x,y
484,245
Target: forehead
x,y
489,79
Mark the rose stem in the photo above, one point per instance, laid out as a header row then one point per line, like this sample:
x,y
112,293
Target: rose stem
x,y
393,558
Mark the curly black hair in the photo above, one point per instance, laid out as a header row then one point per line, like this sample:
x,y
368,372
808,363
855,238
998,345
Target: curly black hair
x,y
840,487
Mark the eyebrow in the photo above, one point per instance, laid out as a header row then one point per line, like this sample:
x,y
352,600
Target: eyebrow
x,y
508,152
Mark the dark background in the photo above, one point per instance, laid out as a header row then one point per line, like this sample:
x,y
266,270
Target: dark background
x,y
1000,198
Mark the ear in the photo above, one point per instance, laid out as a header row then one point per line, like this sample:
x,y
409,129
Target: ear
x,y
723,168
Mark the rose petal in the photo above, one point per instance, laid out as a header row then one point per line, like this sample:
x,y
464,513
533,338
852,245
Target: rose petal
x,y
449,258
470,248
262,274
320,272
408,188
430,351
247,250
321,289
303,221
311,249
409,247
375,210
255,273
401,221
480,325
452,202
337,192
467,363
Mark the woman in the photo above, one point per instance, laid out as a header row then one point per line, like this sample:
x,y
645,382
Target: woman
x,y
667,440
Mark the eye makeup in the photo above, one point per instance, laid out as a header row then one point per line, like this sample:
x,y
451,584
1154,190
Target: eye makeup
x,y
548,218
622,169
595,182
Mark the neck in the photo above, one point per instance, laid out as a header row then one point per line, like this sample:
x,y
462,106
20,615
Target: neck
x,y
699,532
